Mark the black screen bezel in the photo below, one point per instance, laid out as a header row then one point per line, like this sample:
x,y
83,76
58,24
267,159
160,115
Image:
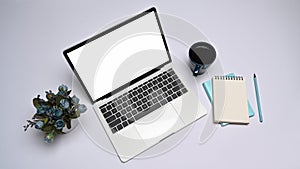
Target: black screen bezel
x,y
65,53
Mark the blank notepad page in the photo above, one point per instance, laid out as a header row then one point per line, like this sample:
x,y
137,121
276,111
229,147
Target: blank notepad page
x,y
230,100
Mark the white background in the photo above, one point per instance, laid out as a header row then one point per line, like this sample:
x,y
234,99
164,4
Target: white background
x,y
250,36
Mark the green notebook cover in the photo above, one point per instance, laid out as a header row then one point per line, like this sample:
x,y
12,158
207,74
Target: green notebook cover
x,y
208,89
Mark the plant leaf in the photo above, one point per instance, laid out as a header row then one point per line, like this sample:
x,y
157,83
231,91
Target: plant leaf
x,y
58,98
58,131
46,120
39,116
68,92
47,128
36,102
75,115
68,123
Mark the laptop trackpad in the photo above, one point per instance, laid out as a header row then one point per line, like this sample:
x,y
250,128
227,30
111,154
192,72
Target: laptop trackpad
x,y
159,124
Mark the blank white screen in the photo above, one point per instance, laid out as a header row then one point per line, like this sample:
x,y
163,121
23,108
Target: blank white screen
x,y
114,59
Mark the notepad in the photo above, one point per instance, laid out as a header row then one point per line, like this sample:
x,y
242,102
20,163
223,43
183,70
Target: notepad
x,y
230,99
207,85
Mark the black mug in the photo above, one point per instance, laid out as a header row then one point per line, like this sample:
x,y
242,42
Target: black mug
x,y
202,55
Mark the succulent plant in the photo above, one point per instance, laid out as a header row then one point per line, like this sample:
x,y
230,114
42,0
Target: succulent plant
x,y
55,113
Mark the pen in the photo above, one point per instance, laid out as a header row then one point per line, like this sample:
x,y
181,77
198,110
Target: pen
x,y
257,98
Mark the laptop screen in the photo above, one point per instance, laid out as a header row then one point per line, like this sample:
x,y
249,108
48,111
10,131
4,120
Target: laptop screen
x,y
119,56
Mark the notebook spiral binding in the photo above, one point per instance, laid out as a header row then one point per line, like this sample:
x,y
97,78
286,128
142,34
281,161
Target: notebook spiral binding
x,y
228,78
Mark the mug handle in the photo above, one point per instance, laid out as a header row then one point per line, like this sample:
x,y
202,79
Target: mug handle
x,y
196,70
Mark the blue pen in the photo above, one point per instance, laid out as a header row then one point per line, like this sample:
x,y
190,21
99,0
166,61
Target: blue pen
x,y
257,98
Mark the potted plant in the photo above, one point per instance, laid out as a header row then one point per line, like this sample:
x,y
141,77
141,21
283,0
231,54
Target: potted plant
x,y
55,113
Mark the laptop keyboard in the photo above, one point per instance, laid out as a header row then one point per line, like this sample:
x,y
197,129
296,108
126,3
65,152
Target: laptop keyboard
x,y
142,100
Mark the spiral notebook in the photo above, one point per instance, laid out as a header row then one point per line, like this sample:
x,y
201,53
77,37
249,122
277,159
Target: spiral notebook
x,y
207,85
230,100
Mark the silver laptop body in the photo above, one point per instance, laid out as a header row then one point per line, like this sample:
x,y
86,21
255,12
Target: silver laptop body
x,y
136,93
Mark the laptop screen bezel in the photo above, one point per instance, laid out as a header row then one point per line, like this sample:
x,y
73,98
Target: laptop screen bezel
x,y
65,53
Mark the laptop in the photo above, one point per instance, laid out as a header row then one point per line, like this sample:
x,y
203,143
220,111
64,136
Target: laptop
x,y
137,94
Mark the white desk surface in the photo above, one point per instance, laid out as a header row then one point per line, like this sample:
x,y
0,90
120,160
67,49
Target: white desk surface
x,y
250,36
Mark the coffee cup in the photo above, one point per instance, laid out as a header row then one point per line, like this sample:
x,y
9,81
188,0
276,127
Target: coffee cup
x,y
202,55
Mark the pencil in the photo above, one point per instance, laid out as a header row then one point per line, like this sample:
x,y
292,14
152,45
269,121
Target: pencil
x,y
257,98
